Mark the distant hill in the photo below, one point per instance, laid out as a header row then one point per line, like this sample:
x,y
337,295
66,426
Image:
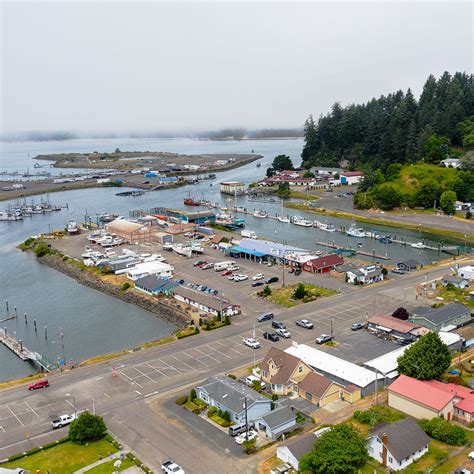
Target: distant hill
x,y
396,128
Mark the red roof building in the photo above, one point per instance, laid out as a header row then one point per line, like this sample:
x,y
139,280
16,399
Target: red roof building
x,y
427,399
323,264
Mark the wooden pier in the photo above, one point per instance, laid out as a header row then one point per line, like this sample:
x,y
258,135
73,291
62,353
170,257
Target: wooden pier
x,y
16,346
349,249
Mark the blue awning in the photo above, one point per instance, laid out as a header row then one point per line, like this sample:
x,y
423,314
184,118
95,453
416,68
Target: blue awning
x,y
239,249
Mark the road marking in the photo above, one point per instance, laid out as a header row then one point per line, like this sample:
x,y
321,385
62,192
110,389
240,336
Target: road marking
x,y
218,351
235,350
107,395
130,379
145,375
2,429
139,393
98,378
11,411
70,403
29,406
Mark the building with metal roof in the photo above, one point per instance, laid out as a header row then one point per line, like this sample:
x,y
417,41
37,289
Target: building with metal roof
x,y
436,319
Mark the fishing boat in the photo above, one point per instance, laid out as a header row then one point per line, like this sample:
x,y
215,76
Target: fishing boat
x,y
182,249
355,232
359,244
189,201
418,245
168,246
284,219
94,236
196,247
72,227
9,216
385,240
301,221
327,227
260,213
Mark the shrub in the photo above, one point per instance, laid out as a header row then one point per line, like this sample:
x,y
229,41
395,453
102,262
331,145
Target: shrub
x,y
442,430
227,320
274,397
219,316
193,394
87,428
232,376
377,414
125,286
250,446
181,400
300,292
42,249
211,411
225,415
267,291
200,321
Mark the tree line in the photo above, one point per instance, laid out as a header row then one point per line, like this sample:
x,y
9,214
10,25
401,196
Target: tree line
x,y
396,128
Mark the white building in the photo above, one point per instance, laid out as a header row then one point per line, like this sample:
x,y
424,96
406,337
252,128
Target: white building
x,y
365,275
141,270
398,445
466,272
451,163
350,177
232,187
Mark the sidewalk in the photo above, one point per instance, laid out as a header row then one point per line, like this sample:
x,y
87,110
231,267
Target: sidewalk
x,y
102,461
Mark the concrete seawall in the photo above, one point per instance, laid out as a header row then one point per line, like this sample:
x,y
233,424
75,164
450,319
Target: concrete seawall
x,y
172,315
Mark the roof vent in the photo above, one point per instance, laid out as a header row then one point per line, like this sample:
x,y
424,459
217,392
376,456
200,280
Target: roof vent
x,y
225,395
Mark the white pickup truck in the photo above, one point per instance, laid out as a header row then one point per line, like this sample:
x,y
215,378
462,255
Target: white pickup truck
x,y
63,420
170,467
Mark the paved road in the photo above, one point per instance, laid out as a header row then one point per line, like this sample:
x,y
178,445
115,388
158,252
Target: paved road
x,y
123,394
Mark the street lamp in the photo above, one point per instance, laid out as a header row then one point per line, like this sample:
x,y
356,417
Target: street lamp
x,y
74,403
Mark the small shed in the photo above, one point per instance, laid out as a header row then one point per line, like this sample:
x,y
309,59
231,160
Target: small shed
x,y
456,281
277,422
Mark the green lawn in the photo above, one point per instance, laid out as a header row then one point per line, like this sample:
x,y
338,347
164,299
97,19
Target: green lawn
x,y
64,458
108,467
456,295
304,196
284,295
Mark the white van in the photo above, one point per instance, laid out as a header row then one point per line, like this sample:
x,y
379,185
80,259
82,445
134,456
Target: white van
x,y
249,234
250,379
219,266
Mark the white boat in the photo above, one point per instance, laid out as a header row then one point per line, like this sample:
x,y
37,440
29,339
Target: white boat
x,y
182,249
155,257
168,246
196,247
259,213
284,219
327,227
72,227
94,236
297,220
355,232
8,216
418,245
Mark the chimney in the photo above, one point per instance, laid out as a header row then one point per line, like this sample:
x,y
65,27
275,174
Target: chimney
x,y
384,448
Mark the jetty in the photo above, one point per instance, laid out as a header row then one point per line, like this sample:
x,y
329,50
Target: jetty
x,y
340,249
19,349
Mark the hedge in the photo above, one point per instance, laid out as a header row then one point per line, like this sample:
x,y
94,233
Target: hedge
x,y
32,451
442,430
181,400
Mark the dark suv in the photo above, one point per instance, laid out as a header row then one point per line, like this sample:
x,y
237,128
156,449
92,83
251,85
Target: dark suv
x,y
271,280
278,325
271,336
265,317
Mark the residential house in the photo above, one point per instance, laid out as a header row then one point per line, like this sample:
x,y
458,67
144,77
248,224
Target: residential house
x,y
416,398
397,445
230,395
292,451
204,302
323,264
283,371
445,318
466,272
456,281
350,177
365,275
408,265
451,163
338,370
277,422
393,327
154,285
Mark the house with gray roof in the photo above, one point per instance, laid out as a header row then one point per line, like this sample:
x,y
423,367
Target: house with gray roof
x,y
397,445
229,395
154,285
448,316
365,275
408,265
277,422
456,281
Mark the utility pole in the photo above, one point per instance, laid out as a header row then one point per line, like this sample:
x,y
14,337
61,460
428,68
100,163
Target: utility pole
x,y
246,420
332,319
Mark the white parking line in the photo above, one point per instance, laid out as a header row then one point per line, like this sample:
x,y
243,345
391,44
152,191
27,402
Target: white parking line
x,y
29,406
144,375
219,352
166,365
130,379
11,411
2,429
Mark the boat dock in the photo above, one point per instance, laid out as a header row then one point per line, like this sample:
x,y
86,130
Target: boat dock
x,y
18,348
340,249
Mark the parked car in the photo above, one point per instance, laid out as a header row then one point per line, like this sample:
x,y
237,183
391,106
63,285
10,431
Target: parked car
x,y
257,283
270,280
323,338
304,323
235,430
207,266
234,268
283,333
258,276
357,326
250,379
241,277
271,336
198,262
226,273
398,271
202,264
170,467
38,384
265,317
251,342
231,277
298,271
246,437
63,420
278,325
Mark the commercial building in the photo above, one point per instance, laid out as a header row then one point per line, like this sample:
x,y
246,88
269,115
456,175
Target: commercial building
x,y
324,171
338,370
186,217
273,250
393,327
154,285
323,264
204,302
350,177
445,318
456,281
131,232
466,272
228,395
397,445
234,188
141,270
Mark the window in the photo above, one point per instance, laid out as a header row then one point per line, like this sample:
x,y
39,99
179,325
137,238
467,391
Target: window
x,y
309,396
390,459
300,369
264,374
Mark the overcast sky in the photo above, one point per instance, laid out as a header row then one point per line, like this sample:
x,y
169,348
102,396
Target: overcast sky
x,y
168,66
